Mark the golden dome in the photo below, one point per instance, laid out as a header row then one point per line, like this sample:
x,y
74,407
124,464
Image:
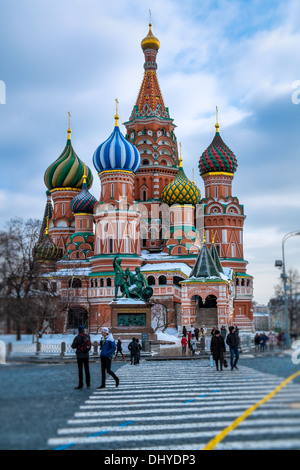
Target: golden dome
x,y
150,41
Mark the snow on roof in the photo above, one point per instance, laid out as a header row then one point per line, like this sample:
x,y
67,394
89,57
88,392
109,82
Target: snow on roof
x,y
183,267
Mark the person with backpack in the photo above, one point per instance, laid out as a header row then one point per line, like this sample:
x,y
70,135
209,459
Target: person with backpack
x,y
82,344
107,349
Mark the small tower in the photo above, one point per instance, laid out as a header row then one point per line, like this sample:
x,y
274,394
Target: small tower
x,y
80,245
182,196
64,179
116,215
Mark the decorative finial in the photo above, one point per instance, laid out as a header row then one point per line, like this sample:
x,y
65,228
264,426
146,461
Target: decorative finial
x,y
69,128
217,120
193,177
180,158
204,238
116,116
150,21
212,237
47,225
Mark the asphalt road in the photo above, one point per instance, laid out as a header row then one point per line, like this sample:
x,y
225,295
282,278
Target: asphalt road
x,y
38,399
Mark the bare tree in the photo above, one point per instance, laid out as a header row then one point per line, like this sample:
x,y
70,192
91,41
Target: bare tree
x,y
20,271
276,304
161,318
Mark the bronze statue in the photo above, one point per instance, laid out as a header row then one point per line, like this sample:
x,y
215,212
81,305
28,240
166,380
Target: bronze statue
x,y
132,285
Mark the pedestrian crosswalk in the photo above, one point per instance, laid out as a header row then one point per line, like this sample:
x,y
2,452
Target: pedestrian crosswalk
x,y
182,405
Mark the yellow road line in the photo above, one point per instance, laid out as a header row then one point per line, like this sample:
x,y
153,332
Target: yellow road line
x,y
213,442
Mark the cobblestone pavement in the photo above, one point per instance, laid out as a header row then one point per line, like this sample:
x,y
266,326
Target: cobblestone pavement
x,y
171,404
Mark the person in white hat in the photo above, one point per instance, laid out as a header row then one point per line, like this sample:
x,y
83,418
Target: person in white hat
x,y
107,347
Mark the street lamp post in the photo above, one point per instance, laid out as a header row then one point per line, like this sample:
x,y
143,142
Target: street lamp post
x,y
284,277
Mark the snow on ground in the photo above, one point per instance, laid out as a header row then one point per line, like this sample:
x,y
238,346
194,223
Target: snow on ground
x,y
170,336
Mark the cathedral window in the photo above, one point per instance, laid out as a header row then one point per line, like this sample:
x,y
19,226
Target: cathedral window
x,y
151,280
162,280
112,190
108,282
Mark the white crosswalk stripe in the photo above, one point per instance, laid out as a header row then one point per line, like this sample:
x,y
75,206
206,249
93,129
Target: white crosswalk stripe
x,y
175,405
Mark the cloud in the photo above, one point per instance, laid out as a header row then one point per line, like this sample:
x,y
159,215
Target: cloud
x,y
79,56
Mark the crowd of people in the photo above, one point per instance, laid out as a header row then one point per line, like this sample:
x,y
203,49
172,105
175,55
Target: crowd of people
x,y
191,337
262,341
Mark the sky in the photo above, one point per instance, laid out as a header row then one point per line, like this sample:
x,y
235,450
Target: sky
x,y
79,55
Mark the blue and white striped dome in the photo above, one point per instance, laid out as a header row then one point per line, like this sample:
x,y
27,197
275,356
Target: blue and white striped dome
x,y
116,153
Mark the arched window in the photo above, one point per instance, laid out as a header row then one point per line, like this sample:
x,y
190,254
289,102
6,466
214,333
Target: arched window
x,y
75,283
162,280
151,280
108,282
101,283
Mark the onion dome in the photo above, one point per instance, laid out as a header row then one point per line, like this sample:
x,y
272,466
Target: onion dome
x,y
83,201
217,157
181,190
67,171
150,41
46,250
116,153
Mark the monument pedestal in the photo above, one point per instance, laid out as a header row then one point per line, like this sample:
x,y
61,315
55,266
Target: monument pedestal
x,y
131,318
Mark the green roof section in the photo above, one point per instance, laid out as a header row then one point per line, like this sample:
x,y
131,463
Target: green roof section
x,y
205,267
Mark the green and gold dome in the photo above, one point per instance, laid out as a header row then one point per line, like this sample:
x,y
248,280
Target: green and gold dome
x,y
181,190
67,171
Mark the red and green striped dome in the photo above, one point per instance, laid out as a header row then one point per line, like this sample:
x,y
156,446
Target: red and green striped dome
x,y
67,171
217,157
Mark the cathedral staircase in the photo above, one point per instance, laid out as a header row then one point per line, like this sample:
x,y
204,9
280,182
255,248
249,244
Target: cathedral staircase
x,y
244,323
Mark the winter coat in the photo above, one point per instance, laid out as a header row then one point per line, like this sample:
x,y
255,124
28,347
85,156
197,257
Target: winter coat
x,y
193,344
184,342
133,347
217,347
107,346
232,340
77,343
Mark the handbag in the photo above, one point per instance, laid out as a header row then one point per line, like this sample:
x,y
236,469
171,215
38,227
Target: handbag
x,y
225,363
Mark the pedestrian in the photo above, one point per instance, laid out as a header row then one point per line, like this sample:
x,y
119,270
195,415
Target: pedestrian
x,y
82,344
184,330
119,349
217,349
262,341
138,352
133,348
196,333
107,349
189,337
184,343
213,331
256,342
223,332
202,341
192,329
271,339
193,343
233,342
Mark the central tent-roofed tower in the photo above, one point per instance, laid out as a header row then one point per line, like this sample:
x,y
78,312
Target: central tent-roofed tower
x,y
151,129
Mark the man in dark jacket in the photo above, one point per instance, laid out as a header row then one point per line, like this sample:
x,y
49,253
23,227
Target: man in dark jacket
x,y
233,342
217,349
108,347
133,347
82,344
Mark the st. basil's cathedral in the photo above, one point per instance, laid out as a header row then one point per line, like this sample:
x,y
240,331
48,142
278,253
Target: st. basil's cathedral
x,y
188,247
